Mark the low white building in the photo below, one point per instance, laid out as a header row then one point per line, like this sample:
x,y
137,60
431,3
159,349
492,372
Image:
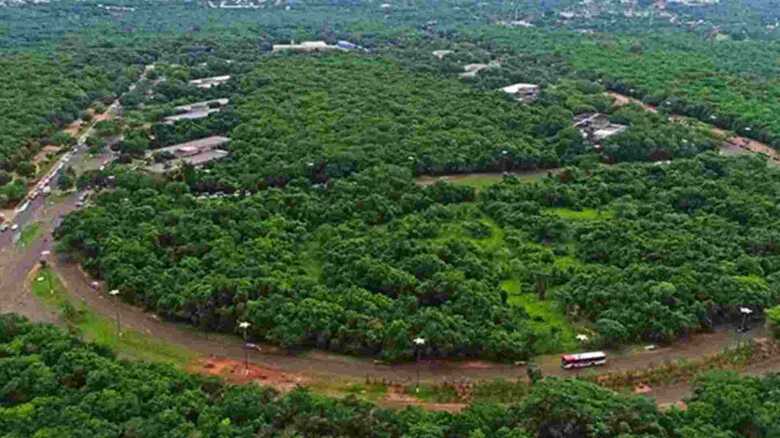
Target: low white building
x,y
306,46
522,92
206,83
441,53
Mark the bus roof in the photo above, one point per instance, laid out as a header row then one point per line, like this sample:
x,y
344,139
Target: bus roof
x,y
584,356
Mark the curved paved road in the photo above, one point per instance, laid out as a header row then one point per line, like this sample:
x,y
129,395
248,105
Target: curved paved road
x,y
16,263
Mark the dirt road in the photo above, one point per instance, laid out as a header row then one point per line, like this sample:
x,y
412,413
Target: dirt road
x,y
732,143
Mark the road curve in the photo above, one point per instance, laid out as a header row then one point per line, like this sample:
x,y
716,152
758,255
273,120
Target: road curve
x,y
17,262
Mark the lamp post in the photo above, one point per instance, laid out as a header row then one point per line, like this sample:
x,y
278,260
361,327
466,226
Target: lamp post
x,y
746,312
115,293
44,264
244,325
419,343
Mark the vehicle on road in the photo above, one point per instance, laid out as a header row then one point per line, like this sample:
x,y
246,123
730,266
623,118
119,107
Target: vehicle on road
x,y
14,227
253,347
582,360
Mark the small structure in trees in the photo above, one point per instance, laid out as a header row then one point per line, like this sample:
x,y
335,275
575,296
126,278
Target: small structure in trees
x,y
522,92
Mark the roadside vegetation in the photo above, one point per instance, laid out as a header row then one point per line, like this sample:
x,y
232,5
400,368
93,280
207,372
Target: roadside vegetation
x,y
101,330
29,234
49,378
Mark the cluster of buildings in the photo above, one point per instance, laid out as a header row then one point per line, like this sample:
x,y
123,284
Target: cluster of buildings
x,y
196,110
195,153
239,4
111,8
596,127
9,3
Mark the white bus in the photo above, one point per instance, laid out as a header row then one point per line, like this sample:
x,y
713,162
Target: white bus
x,y
582,360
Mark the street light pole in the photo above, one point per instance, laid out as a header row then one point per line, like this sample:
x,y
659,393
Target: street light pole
x,y
419,343
45,264
115,293
746,312
244,325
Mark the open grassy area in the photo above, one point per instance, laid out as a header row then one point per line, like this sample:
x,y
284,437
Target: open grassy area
x,y
433,393
482,181
29,234
478,181
545,316
372,392
47,286
584,214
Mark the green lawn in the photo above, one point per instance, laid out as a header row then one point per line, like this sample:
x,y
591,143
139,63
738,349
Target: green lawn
x,y
134,345
29,234
584,214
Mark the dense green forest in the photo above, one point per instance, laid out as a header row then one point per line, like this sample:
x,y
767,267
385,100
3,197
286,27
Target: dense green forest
x,y
84,51
328,116
53,385
319,230
697,241
315,212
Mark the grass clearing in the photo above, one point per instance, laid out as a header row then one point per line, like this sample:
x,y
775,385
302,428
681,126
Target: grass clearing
x,y
134,345
372,392
29,234
433,393
546,317
478,181
588,214
311,264
481,181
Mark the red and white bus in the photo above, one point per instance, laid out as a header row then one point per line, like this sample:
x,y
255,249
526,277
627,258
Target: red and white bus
x,y
582,360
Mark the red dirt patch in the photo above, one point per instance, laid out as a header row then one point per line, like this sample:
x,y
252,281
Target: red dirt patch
x,y
642,389
73,128
105,115
621,100
234,372
44,153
